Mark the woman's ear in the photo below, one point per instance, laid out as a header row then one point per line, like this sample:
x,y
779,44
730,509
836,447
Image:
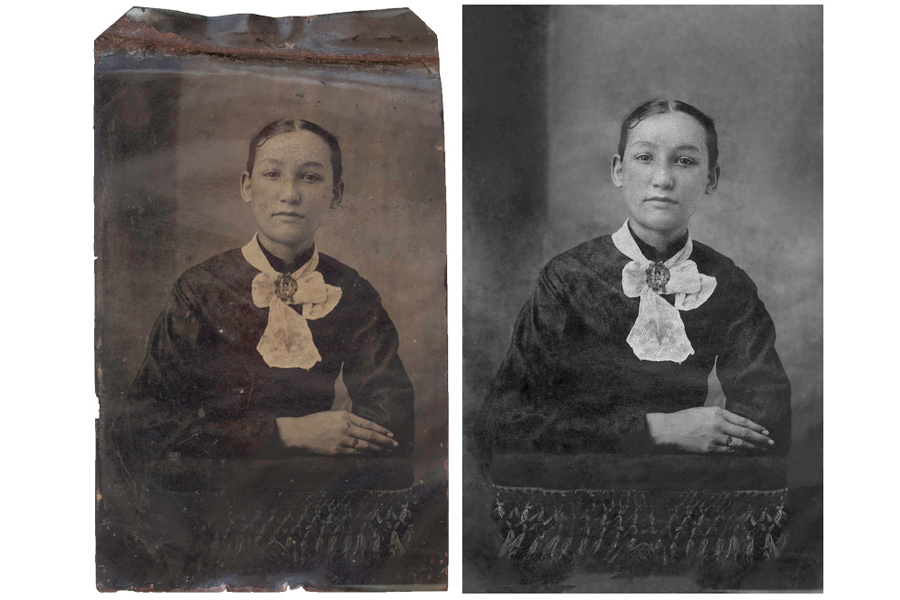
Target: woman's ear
x,y
246,192
712,180
616,170
338,195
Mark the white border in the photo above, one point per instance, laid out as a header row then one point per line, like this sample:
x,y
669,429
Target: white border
x,y
48,438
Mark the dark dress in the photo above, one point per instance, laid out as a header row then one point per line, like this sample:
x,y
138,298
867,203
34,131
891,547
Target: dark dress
x,y
571,383
200,489
204,391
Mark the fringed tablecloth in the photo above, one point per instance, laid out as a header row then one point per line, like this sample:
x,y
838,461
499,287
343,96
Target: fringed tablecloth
x,y
321,531
319,522
609,513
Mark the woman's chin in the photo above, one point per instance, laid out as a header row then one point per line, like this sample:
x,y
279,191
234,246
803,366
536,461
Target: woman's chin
x,y
661,224
290,239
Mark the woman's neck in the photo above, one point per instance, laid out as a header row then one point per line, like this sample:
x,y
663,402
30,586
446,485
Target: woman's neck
x,y
660,240
287,253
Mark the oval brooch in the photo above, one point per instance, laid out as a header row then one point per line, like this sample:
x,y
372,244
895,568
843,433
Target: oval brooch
x,y
285,288
657,277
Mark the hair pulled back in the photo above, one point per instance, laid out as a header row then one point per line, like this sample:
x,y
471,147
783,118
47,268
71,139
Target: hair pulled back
x,y
661,107
280,126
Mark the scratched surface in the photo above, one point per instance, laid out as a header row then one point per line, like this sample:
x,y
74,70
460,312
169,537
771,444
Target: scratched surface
x,y
177,98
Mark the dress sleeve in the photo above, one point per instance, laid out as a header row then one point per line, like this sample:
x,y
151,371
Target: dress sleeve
x,y
163,414
751,374
374,375
532,406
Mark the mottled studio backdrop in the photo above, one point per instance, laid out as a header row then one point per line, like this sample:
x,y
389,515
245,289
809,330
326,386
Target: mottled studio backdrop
x,y
172,142
545,91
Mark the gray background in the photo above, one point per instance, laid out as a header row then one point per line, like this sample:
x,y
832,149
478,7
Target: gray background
x,y
541,122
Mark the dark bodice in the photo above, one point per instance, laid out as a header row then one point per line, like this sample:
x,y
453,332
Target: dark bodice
x,y
571,382
204,389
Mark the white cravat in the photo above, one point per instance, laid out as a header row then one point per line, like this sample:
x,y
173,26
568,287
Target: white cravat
x,y
658,334
287,341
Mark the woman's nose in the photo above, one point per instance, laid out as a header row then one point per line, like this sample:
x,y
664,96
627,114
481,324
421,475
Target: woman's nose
x,y
290,192
663,177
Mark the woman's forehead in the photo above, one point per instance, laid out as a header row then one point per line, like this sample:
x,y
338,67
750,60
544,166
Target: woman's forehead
x,y
674,129
303,146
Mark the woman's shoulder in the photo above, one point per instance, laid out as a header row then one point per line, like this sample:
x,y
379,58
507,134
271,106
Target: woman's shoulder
x,y
706,256
221,270
597,250
595,258
730,277
347,278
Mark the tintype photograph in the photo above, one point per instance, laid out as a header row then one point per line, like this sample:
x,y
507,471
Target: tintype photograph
x,y
271,326
643,298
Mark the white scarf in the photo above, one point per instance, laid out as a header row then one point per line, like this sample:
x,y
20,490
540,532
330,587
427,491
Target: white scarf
x,y
287,341
658,334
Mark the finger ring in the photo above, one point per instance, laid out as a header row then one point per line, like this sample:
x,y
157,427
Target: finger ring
x,y
728,441
355,442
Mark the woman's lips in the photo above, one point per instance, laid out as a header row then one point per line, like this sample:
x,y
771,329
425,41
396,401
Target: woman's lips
x,y
661,200
289,215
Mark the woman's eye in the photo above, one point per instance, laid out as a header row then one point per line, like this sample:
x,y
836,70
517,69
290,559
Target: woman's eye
x,y
643,158
311,177
685,161
270,174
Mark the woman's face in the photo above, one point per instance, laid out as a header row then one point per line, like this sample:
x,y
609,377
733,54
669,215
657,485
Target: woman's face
x,y
664,173
291,189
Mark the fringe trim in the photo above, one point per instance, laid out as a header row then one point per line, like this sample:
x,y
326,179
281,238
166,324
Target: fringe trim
x,y
360,527
626,527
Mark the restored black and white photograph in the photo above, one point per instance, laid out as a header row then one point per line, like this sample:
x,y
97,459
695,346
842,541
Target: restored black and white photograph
x,y
643,255
271,326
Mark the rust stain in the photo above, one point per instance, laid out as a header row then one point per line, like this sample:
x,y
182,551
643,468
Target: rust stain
x,y
228,587
138,37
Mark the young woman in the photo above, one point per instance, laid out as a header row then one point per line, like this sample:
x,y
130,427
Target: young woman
x,y
613,350
243,360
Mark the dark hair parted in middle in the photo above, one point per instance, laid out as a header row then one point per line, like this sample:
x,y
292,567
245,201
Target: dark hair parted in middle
x,y
286,126
660,107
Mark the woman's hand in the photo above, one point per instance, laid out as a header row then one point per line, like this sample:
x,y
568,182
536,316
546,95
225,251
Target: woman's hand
x,y
334,432
707,430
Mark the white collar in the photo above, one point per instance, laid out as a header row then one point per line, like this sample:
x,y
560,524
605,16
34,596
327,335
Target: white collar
x,y
254,255
658,333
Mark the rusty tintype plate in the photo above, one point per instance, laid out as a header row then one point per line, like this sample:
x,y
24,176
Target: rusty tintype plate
x,y
271,303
